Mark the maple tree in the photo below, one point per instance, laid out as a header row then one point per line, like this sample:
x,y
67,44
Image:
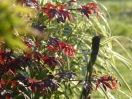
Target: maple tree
x,y
49,67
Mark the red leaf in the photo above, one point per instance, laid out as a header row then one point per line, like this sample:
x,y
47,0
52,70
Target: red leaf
x,y
7,97
13,83
49,60
113,84
37,55
13,65
72,1
96,87
2,82
89,8
58,11
67,48
31,80
107,84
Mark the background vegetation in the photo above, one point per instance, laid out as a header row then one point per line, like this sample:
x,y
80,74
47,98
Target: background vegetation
x,y
120,21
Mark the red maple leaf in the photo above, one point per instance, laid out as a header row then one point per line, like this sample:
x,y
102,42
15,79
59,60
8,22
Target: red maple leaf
x,y
56,45
58,11
49,60
89,8
106,81
66,48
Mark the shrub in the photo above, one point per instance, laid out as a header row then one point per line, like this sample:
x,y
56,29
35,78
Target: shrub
x,y
68,52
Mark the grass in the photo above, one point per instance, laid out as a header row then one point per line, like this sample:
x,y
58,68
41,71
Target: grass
x,y
121,24
120,21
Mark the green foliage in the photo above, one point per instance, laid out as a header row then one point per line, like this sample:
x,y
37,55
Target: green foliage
x,y
120,22
12,24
